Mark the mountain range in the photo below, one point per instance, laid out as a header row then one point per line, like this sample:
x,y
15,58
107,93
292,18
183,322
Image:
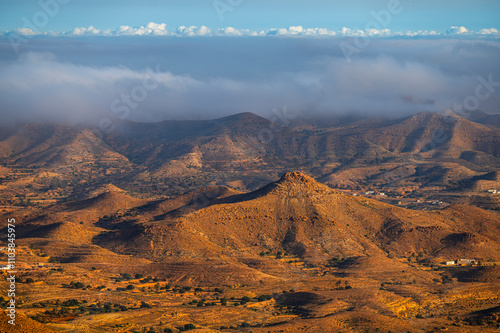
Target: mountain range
x,y
445,157
243,223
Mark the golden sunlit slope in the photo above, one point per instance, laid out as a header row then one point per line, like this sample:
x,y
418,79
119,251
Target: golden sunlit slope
x,y
23,325
106,203
309,219
43,145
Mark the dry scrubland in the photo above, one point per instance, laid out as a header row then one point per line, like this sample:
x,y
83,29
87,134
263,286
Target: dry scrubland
x,y
415,161
292,256
181,225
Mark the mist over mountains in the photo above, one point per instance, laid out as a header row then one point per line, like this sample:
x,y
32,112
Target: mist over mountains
x,y
83,80
425,157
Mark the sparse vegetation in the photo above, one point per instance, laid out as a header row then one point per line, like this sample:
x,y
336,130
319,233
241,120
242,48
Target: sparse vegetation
x,y
273,287
76,285
188,327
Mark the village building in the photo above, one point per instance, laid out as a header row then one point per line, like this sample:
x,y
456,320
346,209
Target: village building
x,y
465,262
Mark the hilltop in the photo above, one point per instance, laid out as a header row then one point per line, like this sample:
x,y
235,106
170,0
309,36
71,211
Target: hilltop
x,y
295,214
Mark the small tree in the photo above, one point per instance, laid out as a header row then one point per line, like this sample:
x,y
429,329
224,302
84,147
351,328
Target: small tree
x,y
244,300
262,298
145,305
188,327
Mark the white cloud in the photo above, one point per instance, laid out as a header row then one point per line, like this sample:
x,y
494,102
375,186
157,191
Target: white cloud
x,y
457,30
491,31
85,31
160,29
26,32
155,29
230,31
295,30
193,31
204,31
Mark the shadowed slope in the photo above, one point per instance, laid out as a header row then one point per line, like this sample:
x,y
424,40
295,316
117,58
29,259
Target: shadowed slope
x,y
304,217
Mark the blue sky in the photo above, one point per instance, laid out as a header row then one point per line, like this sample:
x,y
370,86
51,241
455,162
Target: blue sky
x,y
254,14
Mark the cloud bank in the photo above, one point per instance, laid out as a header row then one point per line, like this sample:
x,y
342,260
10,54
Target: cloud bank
x,y
88,79
160,29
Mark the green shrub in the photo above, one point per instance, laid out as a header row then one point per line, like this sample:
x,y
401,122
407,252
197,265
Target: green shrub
x,y
71,302
145,305
188,327
76,285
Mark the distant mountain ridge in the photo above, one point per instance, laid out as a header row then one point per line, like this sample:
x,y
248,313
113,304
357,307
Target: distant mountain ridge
x,y
155,143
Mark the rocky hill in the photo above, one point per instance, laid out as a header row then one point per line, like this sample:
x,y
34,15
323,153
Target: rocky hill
x,y
295,214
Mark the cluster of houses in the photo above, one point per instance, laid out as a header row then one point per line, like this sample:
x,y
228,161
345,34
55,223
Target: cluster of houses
x,y
375,193
461,262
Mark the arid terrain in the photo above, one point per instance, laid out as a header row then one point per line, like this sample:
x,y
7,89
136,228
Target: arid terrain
x,y
245,224
417,160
